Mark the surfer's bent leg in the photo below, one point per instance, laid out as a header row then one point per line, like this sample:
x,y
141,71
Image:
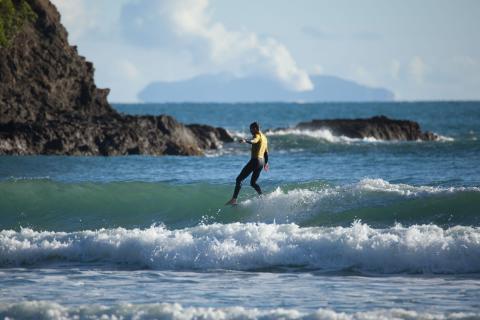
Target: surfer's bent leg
x,y
258,166
243,174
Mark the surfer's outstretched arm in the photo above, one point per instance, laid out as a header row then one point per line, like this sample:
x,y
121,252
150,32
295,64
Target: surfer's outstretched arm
x,y
245,141
254,140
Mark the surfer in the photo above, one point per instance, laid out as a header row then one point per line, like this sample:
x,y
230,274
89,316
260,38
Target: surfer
x,y
258,161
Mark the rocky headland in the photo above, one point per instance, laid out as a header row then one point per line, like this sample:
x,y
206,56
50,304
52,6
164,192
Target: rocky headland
x,y
379,127
49,103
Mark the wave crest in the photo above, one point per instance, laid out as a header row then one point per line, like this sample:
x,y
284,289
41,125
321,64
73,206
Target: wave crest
x,y
79,206
327,135
322,134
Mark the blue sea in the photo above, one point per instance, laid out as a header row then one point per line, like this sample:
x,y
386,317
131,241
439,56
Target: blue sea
x,y
346,228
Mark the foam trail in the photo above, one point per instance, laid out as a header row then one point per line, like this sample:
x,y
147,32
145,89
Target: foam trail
x,y
238,246
51,310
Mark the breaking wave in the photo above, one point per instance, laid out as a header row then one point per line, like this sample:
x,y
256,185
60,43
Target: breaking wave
x,y
49,205
254,246
322,134
328,136
51,310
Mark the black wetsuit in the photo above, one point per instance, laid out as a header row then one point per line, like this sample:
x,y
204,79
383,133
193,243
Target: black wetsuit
x,y
255,165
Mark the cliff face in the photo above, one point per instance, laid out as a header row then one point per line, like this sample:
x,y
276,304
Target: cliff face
x,y
43,77
49,103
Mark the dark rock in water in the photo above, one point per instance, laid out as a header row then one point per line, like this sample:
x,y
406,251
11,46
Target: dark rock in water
x,y
211,138
379,127
101,136
49,103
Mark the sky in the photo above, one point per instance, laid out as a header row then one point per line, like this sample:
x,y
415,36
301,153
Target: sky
x,y
420,50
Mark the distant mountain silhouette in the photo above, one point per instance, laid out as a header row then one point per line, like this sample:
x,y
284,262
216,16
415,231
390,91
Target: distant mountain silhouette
x,y
226,88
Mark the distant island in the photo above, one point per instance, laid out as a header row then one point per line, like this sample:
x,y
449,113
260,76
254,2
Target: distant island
x,y
224,87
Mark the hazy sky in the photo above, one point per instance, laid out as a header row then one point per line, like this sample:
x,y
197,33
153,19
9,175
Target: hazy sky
x,y
421,50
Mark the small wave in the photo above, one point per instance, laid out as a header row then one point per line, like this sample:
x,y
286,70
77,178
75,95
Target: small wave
x,y
249,246
380,185
444,138
327,135
238,134
322,134
19,179
51,310
376,201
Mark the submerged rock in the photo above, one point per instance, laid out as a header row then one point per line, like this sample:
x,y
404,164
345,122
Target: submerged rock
x,y
379,127
49,103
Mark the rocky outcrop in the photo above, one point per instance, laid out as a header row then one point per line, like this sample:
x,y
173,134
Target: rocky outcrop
x,y
110,136
379,127
210,138
49,103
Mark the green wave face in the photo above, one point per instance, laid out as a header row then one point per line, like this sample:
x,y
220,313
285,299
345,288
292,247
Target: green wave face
x,y
49,205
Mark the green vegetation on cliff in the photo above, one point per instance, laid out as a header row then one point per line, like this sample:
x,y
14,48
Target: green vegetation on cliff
x,y
13,14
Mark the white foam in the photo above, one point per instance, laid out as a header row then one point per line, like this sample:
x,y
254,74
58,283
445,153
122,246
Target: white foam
x,y
327,135
241,246
380,185
238,134
322,134
280,204
174,311
300,204
444,138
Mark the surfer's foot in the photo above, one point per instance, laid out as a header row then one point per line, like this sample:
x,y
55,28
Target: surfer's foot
x,y
232,202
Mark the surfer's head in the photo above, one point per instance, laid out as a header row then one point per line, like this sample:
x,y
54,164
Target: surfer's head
x,y
254,128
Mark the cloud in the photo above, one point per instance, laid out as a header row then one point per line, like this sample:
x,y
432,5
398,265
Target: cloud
x,y
90,19
417,68
74,16
320,34
187,26
317,69
362,75
317,33
395,66
366,36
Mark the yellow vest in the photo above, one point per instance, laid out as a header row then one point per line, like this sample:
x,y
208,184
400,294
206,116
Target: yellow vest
x,y
259,145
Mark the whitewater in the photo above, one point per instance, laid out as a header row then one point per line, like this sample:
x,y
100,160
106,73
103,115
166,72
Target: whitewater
x,y
345,229
237,246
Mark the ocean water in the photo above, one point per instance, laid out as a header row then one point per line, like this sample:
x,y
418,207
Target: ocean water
x,y
346,229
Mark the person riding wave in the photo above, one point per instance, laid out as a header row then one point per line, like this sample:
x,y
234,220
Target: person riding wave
x,y
258,161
